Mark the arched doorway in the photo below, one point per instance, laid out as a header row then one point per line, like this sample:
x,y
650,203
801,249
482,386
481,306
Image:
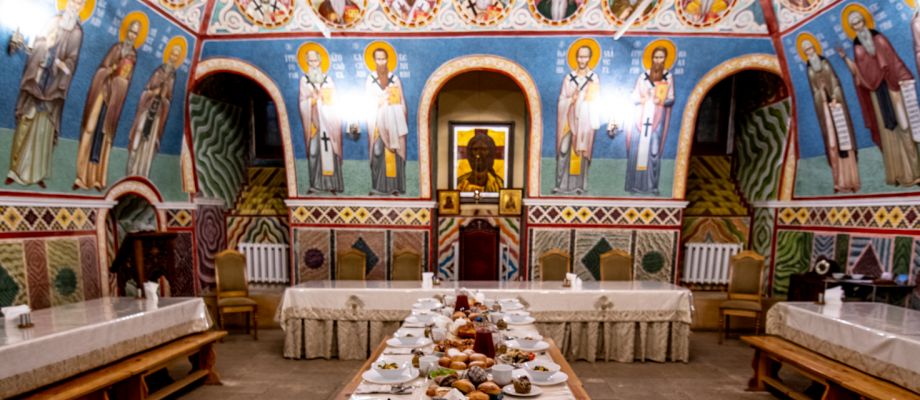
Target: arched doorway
x,y
243,175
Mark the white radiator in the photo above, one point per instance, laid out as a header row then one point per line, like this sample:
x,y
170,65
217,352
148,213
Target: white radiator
x,y
708,262
265,262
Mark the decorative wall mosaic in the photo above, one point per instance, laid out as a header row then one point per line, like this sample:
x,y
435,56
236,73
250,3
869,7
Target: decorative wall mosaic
x,y
49,272
761,141
179,218
188,12
256,230
31,219
315,250
362,215
219,147
711,190
211,233
596,215
716,229
884,217
509,246
263,192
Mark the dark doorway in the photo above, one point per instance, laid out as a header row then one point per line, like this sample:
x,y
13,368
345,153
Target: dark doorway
x,y
479,251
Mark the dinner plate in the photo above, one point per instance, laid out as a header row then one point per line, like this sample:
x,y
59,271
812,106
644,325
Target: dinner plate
x,y
534,391
512,307
412,322
375,377
539,346
426,306
556,379
421,342
525,321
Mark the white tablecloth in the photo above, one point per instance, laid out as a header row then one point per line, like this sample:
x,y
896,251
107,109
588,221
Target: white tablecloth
x,y
555,392
879,339
623,321
77,337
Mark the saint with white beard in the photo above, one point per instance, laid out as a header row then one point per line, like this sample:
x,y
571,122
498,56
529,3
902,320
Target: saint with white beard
x,y
322,128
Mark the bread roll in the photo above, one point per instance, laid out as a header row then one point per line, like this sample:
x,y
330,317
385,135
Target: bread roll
x,y
489,388
460,357
432,390
444,361
490,362
464,385
478,357
477,395
480,364
458,365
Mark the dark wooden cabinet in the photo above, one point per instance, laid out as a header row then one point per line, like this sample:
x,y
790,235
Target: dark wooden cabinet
x,y
479,251
146,257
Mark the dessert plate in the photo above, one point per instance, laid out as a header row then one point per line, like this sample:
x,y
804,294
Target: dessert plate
x,y
374,377
534,391
555,379
421,342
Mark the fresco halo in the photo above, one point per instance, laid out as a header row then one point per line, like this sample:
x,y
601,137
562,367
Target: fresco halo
x,y
174,42
595,52
369,55
319,49
851,8
128,20
668,45
85,13
801,39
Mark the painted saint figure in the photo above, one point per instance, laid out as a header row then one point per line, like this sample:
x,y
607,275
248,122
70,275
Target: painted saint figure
x,y
915,31
483,12
557,10
578,118
322,129
102,111
339,12
46,79
829,101
152,113
481,155
387,127
653,96
877,73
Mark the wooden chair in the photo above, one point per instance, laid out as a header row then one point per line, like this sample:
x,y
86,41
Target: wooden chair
x,y
407,266
554,265
745,291
350,265
233,290
616,265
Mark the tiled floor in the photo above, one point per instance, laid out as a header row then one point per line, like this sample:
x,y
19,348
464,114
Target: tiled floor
x,y
255,370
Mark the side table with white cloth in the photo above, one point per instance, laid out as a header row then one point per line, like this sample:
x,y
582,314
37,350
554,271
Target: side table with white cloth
x,y
879,339
621,321
69,339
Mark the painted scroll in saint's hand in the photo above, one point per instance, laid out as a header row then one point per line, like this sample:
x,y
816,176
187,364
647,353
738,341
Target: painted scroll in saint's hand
x,y
909,94
840,125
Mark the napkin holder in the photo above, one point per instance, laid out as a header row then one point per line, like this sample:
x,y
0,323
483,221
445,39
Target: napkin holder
x,y
832,296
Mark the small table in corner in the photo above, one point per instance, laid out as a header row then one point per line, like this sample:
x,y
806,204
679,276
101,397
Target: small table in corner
x,y
871,290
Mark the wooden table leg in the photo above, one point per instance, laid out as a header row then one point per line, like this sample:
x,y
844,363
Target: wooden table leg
x,y
207,360
761,365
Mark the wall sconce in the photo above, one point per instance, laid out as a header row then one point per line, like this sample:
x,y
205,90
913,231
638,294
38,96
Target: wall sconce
x,y
17,42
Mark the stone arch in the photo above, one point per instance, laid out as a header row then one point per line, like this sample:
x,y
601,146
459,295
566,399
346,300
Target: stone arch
x,y
480,62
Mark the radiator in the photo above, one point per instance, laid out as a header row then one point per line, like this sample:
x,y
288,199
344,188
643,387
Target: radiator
x,y
707,263
266,262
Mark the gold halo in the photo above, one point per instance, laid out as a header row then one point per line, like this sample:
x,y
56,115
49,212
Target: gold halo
x,y
319,49
369,55
855,7
175,41
591,44
668,61
911,3
128,20
807,37
85,13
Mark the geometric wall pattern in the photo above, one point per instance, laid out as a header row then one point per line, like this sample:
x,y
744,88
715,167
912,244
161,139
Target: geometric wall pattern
x,y
793,254
711,191
401,216
509,237
315,250
593,215
219,147
47,272
884,217
246,229
263,192
716,230
762,233
211,233
179,218
31,219
760,150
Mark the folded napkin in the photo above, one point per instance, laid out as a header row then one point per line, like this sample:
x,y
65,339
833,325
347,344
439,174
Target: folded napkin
x,y
14,311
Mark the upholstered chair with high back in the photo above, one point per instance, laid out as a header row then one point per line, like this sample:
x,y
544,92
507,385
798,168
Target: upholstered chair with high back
x,y
407,266
745,291
350,265
233,290
554,265
616,265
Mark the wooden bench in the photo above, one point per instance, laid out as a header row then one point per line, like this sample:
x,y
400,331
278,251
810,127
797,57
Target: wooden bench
x,y
125,379
840,380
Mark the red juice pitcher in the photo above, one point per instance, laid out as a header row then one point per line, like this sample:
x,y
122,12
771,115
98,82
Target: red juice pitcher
x,y
483,343
462,303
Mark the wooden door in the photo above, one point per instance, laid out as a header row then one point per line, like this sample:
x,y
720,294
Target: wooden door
x,y
479,251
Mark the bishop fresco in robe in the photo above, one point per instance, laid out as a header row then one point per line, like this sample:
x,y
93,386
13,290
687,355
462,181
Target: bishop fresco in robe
x,y
880,75
153,110
578,118
46,79
653,96
833,116
322,129
387,126
104,103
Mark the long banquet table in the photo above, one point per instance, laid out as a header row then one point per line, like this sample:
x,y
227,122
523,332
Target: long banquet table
x,y
621,321
876,338
73,338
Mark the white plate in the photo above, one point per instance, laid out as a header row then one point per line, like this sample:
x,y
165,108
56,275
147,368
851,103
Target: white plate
x,y
526,321
512,307
412,322
374,377
534,391
539,346
555,379
432,306
421,342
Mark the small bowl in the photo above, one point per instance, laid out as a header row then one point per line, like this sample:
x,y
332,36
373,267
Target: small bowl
x,y
857,276
529,341
430,302
393,373
838,275
509,302
406,339
552,369
424,317
516,317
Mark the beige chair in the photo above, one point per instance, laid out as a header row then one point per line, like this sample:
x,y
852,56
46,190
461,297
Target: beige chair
x,y
350,264
407,266
745,291
616,265
554,265
233,290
